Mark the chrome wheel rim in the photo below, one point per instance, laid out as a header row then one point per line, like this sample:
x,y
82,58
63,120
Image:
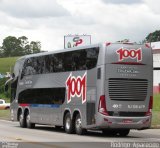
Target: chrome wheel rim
x,y
78,123
67,123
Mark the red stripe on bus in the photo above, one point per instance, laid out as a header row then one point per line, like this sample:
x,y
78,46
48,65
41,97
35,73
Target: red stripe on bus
x,y
128,63
24,105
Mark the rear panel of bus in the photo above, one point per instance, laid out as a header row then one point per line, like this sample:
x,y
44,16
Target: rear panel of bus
x,y
127,85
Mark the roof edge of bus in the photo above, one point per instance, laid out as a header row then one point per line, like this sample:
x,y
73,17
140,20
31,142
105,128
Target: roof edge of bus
x,y
73,48
129,43
58,51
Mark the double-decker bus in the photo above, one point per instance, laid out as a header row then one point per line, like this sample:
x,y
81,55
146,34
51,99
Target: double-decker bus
x,y
105,87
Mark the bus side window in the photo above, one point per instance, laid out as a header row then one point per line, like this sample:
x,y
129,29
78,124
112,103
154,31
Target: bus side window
x,y
23,71
99,73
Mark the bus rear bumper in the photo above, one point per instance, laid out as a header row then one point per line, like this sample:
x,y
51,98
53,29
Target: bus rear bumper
x,y
139,123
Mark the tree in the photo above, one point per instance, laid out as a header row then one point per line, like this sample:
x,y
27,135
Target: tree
x,y
1,52
123,41
11,46
35,46
25,45
153,37
20,46
23,40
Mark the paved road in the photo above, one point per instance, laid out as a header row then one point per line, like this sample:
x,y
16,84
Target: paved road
x,y
43,136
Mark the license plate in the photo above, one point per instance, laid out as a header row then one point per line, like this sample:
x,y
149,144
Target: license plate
x,y
127,121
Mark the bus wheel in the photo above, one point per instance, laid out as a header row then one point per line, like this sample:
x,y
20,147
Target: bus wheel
x,y
124,132
68,124
22,120
78,126
28,122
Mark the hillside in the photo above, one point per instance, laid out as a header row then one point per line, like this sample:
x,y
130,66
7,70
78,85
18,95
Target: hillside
x,y
6,64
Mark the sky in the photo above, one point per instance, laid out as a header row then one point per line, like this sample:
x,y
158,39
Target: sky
x,y
48,21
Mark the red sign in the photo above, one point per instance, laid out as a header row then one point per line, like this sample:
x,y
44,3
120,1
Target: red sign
x,y
76,86
77,41
130,53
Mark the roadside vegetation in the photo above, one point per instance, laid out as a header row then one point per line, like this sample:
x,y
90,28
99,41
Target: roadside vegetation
x,y
156,111
6,65
5,114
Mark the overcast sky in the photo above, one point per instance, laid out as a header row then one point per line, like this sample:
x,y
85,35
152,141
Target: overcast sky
x,y
48,21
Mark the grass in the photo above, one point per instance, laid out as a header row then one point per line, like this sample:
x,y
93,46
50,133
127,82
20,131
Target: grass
x,y
6,64
155,118
156,102
156,110
5,114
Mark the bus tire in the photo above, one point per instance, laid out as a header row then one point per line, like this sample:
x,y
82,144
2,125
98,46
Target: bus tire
x,y
78,126
28,122
68,126
123,133
22,120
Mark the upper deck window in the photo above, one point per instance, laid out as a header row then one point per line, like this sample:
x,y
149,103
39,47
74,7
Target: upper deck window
x,y
83,59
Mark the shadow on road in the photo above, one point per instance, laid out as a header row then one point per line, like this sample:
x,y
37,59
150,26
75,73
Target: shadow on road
x,y
89,133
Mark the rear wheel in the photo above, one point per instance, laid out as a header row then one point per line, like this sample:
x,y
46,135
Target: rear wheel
x,y
68,126
22,120
124,132
78,126
28,122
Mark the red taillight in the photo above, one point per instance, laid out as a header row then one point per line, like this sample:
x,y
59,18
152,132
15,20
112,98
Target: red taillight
x,y
149,112
128,63
151,102
102,106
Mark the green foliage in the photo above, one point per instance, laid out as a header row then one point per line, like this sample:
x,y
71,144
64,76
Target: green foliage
x,y
2,82
156,110
11,47
7,64
156,102
155,118
35,46
4,94
20,46
154,36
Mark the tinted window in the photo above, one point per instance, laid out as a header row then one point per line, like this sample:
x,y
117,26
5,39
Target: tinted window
x,y
58,62
84,59
43,96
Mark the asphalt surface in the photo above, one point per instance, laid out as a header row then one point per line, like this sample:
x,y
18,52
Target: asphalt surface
x,y
12,136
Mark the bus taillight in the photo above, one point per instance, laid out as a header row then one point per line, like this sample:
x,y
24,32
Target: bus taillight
x,y
102,106
149,112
